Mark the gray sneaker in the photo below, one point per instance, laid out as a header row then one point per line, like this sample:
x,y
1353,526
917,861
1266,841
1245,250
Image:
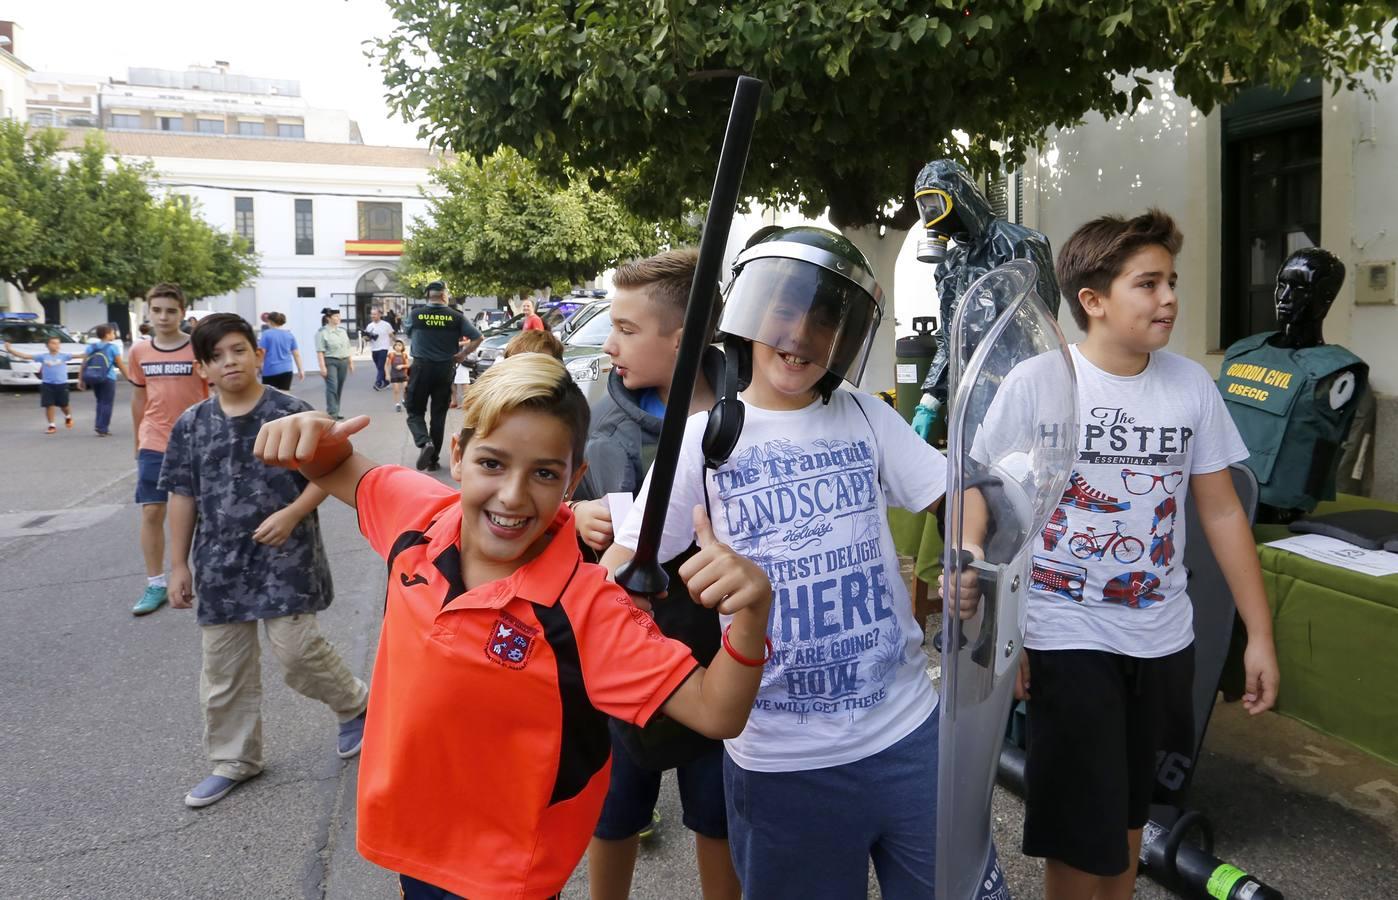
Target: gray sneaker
x,y
351,737
211,790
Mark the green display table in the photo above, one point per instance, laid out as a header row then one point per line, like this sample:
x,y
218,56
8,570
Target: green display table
x,y
1337,641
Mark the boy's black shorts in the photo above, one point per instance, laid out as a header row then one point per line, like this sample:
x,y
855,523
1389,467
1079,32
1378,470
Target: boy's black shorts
x,y
53,395
1097,722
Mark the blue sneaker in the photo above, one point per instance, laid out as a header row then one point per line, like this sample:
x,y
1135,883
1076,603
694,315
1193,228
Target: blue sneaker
x,y
150,601
210,791
351,737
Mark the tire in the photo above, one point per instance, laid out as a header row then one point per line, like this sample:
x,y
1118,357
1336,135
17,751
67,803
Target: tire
x,y
1128,550
1081,546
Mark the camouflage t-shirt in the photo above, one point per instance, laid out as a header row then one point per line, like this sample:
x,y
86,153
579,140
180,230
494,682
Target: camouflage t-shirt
x,y
237,579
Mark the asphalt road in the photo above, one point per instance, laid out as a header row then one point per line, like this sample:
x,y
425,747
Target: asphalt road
x,y
101,735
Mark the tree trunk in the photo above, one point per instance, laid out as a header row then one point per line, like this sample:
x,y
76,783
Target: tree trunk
x,y
882,253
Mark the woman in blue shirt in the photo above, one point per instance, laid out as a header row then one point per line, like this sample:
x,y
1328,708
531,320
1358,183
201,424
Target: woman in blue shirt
x,y
279,354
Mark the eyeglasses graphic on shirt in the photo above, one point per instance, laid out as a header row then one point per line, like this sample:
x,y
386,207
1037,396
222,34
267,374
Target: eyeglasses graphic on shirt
x,y
1140,483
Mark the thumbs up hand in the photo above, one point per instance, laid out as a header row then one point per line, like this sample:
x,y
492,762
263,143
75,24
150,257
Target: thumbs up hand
x,y
718,577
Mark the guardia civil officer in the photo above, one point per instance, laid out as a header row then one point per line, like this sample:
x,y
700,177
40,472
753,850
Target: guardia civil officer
x,y
436,332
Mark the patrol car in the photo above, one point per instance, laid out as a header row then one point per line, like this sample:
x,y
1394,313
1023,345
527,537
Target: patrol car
x,y
26,333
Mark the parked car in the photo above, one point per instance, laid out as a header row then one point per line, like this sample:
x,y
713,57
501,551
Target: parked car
x,y
582,350
487,319
27,334
554,313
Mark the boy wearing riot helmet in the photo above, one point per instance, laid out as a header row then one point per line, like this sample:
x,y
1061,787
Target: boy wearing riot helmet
x,y
1109,665
838,762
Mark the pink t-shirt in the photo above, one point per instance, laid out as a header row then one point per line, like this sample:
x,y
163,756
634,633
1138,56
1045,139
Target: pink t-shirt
x,y
172,386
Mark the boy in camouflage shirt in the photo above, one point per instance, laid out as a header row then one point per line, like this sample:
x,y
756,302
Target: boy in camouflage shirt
x,y
257,556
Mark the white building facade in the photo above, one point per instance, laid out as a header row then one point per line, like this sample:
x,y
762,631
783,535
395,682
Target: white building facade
x,y
327,220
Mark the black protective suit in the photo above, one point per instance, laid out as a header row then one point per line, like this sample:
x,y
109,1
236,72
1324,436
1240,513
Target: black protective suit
x,y
981,242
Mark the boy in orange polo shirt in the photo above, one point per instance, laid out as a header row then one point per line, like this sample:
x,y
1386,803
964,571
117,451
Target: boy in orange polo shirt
x,y
486,751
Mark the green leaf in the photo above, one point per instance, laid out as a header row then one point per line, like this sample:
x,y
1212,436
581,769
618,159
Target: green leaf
x,y
917,27
944,34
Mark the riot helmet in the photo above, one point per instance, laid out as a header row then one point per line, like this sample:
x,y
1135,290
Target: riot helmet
x,y
806,292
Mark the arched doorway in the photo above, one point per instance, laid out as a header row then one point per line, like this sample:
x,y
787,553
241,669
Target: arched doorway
x,y
375,288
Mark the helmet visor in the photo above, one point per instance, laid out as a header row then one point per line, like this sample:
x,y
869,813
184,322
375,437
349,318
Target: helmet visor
x,y
803,310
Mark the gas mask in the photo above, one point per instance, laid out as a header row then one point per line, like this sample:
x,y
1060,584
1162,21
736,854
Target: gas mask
x,y
938,222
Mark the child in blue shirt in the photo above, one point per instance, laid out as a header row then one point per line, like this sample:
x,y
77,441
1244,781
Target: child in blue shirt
x,y
53,380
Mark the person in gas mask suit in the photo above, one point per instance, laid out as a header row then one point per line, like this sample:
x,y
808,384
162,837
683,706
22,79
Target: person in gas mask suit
x,y
965,240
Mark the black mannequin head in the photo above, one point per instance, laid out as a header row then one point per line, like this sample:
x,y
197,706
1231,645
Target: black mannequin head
x,y
1306,287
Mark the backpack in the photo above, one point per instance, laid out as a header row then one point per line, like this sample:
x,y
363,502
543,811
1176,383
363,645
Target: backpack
x,y
97,366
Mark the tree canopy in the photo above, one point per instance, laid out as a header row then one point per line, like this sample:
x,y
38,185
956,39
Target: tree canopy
x,y
78,222
861,93
175,244
498,227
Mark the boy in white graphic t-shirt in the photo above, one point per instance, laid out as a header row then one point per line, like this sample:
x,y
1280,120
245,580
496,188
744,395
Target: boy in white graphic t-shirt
x,y
1109,663
838,763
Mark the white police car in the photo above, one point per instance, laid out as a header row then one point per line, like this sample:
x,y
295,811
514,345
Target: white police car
x,y
27,334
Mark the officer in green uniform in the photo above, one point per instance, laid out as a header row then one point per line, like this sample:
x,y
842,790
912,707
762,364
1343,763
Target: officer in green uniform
x,y
1292,395
436,332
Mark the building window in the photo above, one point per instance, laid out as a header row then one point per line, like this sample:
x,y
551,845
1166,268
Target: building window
x,y
252,129
1271,203
285,130
305,229
120,120
242,218
305,292
39,119
210,126
171,123
380,221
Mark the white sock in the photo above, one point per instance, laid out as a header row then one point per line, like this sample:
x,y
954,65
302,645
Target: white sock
x,y
157,581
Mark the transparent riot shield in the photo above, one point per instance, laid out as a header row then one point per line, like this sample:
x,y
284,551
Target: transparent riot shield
x,y
1011,441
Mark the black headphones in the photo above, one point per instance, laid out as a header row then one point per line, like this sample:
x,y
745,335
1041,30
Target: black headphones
x,y
725,423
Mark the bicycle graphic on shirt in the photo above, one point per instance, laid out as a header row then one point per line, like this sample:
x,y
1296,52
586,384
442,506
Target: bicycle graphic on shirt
x,y
1091,544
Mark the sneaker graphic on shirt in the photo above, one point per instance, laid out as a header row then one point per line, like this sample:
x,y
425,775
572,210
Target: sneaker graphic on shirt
x,y
1055,528
1085,496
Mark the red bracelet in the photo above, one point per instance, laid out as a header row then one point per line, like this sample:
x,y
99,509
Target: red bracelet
x,y
744,660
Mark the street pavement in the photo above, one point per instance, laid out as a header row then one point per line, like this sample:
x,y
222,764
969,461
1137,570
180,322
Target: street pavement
x,y
102,727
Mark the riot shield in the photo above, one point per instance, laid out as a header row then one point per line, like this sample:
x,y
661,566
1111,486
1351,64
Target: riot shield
x,y
1011,439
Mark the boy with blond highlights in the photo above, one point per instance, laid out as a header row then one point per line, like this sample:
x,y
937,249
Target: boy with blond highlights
x,y
501,645
1109,664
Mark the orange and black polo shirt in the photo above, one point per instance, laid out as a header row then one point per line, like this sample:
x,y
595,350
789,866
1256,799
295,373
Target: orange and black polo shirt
x,y
486,752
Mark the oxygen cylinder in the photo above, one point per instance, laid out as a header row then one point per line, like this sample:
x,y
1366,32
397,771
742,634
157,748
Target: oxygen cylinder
x,y
914,356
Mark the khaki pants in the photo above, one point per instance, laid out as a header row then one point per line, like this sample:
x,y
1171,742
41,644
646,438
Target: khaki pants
x,y
230,687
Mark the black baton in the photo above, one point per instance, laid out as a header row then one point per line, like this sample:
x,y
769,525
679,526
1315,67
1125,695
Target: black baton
x,y
643,574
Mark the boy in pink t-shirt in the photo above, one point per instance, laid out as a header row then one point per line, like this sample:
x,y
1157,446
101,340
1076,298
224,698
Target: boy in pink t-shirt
x,y
165,383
